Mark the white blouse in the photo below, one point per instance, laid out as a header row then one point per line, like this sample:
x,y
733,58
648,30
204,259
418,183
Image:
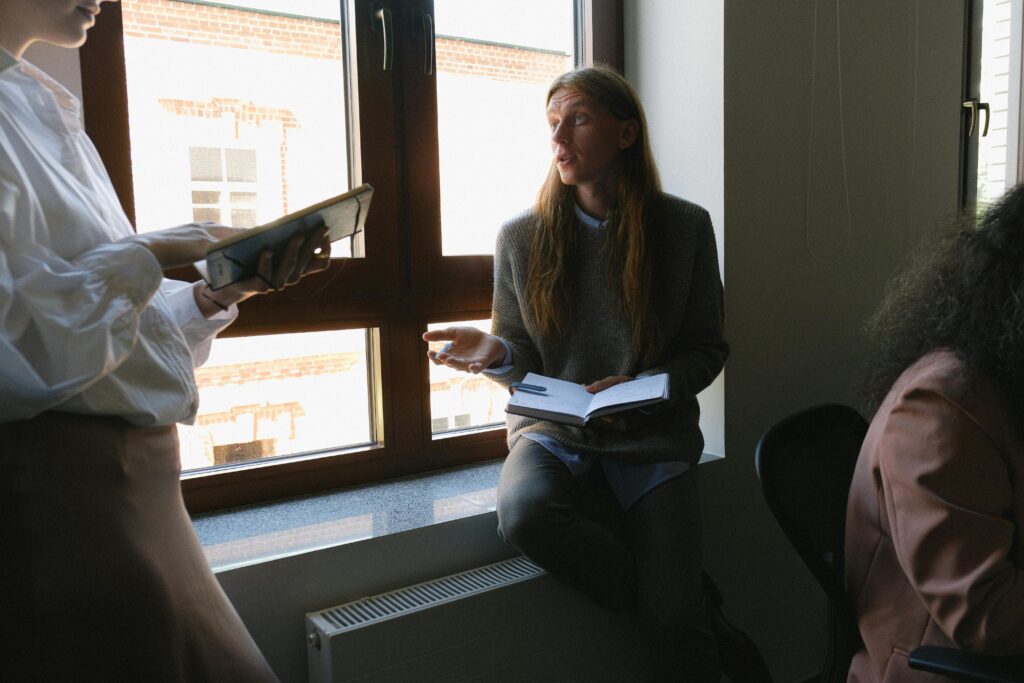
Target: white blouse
x,y
88,324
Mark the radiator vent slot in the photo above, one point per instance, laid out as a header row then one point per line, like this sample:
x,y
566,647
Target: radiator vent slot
x,y
425,595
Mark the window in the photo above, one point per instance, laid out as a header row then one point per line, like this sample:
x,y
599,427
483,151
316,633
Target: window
x,y
460,402
1000,87
241,111
232,202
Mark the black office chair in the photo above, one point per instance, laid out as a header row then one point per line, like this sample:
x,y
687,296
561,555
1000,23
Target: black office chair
x,y
805,463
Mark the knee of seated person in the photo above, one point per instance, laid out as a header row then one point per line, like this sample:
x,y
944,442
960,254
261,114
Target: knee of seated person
x,y
525,521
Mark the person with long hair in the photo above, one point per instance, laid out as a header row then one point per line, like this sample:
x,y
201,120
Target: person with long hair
x,y
935,522
606,279
104,578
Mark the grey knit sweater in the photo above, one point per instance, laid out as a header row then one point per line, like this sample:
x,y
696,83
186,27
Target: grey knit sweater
x,y
596,341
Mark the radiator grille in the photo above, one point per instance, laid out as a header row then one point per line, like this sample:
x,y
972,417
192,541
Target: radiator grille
x,y
428,594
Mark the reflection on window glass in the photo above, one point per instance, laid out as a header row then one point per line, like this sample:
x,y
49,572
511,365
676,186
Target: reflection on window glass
x,y
461,401
244,98
495,61
282,394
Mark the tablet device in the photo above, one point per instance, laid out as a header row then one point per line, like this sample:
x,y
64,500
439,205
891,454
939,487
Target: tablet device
x,y
237,257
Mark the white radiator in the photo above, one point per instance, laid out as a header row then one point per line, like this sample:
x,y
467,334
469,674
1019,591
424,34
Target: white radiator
x,y
507,621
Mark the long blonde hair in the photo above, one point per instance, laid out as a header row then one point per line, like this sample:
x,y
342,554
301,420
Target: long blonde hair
x,y
628,251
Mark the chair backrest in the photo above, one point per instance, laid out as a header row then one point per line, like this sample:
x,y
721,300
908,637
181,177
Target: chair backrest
x,y
805,463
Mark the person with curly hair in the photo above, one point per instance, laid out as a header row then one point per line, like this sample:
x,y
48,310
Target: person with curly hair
x,y
935,523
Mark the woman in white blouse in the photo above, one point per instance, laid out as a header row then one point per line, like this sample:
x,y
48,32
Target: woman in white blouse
x,y
104,577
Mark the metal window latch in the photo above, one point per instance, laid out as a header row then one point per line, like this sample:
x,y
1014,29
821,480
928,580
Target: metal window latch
x,y
423,27
382,16
973,106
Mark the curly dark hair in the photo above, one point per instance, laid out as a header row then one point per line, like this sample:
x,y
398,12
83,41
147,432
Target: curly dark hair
x,y
965,293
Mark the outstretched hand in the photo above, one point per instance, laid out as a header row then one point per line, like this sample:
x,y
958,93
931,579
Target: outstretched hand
x,y
468,349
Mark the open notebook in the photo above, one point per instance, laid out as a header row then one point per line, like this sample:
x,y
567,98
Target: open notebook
x,y
569,403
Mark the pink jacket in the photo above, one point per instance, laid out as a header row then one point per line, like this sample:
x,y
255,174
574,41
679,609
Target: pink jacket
x,y
935,523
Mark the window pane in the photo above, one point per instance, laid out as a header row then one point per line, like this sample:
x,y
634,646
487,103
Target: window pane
x,y
276,395
241,164
495,60
243,197
199,197
243,96
243,218
460,401
200,215
204,163
995,175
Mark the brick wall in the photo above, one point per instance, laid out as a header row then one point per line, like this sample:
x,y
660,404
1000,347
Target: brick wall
x,y
244,112
241,373
498,62
186,22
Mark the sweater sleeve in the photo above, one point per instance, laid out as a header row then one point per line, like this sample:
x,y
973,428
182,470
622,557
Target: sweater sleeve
x,y
698,351
507,312
948,496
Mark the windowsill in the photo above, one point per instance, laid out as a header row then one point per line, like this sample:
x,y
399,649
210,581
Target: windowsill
x,y
259,533
277,562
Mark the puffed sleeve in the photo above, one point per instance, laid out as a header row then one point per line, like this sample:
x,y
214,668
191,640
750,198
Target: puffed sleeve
x,y
198,330
63,324
949,498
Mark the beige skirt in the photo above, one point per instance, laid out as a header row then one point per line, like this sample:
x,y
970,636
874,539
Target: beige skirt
x,y
103,578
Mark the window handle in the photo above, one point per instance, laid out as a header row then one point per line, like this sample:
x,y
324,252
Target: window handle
x,y
973,106
383,16
428,44
983,106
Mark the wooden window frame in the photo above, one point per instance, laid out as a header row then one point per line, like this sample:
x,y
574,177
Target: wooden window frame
x,y
385,291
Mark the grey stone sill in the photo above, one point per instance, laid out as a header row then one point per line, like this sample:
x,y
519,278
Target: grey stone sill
x,y
258,533
242,536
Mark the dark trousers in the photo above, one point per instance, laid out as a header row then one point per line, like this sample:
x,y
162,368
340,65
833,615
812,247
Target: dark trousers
x,y
646,559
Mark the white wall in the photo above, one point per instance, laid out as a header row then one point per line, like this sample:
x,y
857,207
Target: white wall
x,y
675,59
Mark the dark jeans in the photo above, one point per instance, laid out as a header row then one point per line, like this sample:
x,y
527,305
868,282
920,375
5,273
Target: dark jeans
x,y
645,559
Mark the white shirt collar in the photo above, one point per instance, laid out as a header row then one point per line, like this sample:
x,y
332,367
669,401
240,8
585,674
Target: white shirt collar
x,y
7,60
587,219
